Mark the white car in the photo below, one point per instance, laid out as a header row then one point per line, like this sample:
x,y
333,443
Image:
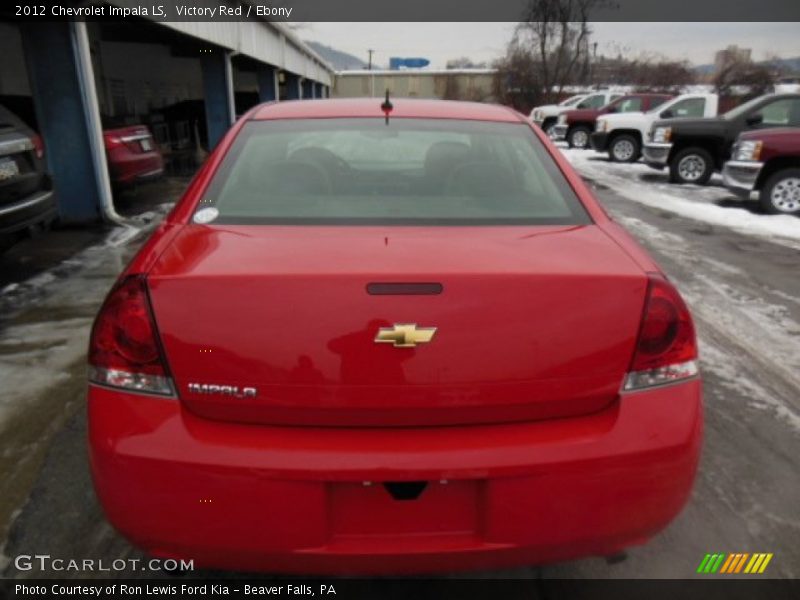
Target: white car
x,y
622,134
787,85
546,116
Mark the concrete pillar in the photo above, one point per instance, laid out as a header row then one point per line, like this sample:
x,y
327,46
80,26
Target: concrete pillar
x,y
62,83
267,83
293,91
217,94
308,89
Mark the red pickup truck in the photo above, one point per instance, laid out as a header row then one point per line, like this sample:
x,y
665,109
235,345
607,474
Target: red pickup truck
x,y
767,161
575,126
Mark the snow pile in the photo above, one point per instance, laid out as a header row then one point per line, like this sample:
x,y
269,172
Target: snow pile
x,y
640,183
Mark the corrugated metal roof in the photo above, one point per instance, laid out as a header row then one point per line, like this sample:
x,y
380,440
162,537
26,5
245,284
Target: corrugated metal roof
x,y
266,41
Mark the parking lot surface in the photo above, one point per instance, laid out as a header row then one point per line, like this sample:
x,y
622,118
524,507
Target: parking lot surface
x,y
736,269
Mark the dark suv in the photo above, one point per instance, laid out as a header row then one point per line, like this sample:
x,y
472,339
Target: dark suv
x,y
26,191
695,148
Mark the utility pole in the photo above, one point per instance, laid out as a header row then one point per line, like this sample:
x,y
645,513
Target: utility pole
x,y
369,64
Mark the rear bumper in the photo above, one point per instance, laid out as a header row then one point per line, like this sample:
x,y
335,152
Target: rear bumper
x,y
741,176
293,499
39,207
128,168
656,155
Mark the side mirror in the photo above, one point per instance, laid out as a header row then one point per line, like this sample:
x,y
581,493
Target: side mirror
x,y
754,119
667,114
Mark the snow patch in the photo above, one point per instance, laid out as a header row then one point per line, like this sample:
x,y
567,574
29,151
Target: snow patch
x,y
694,202
120,236
731,376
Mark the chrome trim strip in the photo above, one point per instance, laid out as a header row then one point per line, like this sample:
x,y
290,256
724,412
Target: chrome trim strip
x,y
26,203
135,138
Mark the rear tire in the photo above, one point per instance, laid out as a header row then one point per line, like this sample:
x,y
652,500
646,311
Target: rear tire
x,y
780,194
625,149
578,137
691,165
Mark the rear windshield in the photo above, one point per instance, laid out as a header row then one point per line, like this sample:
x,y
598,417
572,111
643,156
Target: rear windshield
x,y
409,171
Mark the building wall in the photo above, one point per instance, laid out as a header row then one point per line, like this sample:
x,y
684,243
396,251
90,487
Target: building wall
x,y
455,85
128,86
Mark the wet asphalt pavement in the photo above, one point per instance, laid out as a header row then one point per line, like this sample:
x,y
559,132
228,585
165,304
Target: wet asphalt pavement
x,y
744,291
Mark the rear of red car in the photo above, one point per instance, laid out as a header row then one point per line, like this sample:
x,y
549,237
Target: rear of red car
x,y
133,155
405,345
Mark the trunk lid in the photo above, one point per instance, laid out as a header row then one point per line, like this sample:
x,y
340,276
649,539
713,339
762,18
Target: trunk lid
x,y
532,322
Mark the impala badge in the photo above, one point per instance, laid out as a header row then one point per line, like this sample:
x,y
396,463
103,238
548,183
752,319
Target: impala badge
x,y
405,335
231,391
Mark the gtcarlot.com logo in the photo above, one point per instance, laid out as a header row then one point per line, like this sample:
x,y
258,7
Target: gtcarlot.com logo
x,y
44,562
738,562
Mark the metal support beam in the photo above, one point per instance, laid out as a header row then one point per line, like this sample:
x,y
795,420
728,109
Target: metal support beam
x,y
267,83
218,94
62,81
293,91
308,89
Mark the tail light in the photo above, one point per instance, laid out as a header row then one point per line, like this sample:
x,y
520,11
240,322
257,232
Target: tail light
x,y
112,141
666,349
38,145
124,350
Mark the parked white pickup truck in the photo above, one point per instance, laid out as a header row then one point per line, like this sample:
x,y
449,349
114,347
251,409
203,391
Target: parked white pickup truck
x,y
622,134
546,116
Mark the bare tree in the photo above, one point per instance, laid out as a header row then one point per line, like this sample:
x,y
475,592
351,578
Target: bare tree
x,y
556,34
755,79
658,74
517,80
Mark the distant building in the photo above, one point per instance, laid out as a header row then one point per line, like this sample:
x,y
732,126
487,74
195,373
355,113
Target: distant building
x,y
449,84
731,55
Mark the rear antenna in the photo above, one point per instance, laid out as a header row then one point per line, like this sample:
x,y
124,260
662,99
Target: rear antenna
x,y
387,106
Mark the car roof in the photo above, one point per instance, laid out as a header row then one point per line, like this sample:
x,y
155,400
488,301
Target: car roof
x,y
409,108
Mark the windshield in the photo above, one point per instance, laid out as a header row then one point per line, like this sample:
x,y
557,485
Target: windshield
x,y
742,109
664,106
572,100
411,171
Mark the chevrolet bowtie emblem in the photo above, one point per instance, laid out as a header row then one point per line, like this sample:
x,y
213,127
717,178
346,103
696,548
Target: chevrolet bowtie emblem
x,y
405,335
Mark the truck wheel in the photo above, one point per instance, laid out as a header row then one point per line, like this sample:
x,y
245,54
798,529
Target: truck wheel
x,y
691,165
624,148
578,137
547,126
780,195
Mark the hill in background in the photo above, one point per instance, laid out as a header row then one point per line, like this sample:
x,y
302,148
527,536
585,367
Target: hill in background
x,y
341,61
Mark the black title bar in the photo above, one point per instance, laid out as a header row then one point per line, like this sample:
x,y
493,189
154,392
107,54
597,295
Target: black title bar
x,y
395,10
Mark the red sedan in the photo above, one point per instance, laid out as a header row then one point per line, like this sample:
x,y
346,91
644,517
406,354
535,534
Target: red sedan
x,y
133,156
391,339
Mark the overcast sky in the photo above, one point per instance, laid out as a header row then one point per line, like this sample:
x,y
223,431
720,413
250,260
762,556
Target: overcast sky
x,y
440,42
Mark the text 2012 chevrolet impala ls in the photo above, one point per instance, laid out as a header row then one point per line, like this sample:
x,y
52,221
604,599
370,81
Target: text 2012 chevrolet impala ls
x,y
391,339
